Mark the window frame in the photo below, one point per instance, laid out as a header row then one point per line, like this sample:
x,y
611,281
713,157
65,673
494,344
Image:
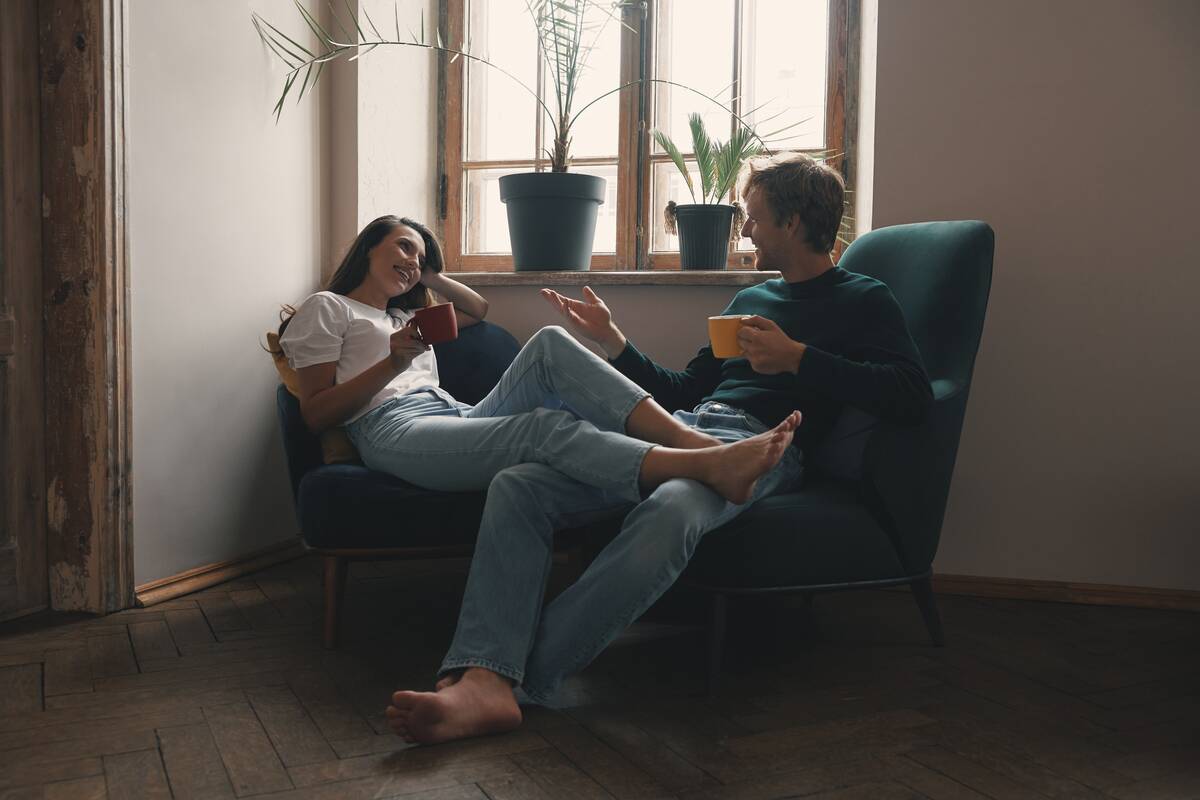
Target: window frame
x,y
635,154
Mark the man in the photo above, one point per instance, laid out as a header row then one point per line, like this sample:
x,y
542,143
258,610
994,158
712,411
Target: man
x,y
817,339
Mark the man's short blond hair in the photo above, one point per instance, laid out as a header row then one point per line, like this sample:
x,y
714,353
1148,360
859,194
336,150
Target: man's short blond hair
x,y
793,183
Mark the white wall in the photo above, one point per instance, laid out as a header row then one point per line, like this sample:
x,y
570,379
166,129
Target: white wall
x,y
1071,127
225,222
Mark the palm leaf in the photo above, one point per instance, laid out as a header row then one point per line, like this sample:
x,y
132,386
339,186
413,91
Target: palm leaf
x,y
702,146
666,144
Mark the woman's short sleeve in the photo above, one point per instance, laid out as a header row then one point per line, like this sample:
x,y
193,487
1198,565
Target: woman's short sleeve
x,y
314,336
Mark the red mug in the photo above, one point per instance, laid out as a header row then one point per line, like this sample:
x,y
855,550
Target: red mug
x,y
436,324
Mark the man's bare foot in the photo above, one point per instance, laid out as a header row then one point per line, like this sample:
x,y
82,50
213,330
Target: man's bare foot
x,y
447,680
479,703
733,469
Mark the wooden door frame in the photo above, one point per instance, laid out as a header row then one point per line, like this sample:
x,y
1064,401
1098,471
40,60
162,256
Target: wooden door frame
x,y
85,270
23,586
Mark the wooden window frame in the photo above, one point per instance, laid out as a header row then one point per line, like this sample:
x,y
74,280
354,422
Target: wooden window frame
x,y
635,156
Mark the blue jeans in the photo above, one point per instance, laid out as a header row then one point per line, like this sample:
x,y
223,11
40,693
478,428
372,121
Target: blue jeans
x,y
558,404
503,626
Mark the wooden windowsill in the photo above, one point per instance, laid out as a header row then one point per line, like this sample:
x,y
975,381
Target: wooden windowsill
x,y
624,278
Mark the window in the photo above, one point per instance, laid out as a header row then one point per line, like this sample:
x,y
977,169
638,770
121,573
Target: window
x,y
779,64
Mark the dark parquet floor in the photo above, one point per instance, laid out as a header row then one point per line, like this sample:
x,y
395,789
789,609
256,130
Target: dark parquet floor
x,y
227,693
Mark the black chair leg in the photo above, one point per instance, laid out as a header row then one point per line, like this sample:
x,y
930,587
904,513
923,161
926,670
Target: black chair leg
x,y
922,589
716,641
335,591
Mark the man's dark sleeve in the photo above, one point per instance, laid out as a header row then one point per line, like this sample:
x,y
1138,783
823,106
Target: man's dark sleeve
x,y
672,389
880,373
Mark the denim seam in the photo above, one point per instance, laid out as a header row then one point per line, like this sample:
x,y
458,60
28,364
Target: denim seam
x,y
467,662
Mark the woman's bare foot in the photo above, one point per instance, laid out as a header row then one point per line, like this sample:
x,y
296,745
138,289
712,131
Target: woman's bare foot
x,y
692,439
733,469
479,703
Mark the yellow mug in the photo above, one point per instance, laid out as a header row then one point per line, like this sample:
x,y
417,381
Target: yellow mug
x,y
722,333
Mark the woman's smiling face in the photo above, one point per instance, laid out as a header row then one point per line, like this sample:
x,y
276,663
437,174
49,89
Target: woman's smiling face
x,y
395,263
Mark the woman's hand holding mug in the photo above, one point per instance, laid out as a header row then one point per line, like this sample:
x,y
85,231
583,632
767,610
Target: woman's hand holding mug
x,y
405,345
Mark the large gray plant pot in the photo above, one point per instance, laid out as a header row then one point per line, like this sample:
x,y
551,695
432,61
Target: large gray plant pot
x,y
552,218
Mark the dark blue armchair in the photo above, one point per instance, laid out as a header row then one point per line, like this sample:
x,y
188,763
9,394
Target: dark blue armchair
x,y
877,523
347,511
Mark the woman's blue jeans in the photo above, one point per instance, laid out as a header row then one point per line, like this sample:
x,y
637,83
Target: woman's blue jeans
x,y
558,404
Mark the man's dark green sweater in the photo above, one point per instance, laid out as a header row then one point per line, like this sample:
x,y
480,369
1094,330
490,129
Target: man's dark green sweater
x,y
858,353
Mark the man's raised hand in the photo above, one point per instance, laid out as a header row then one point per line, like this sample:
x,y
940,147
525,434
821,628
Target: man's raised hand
x,y
588,318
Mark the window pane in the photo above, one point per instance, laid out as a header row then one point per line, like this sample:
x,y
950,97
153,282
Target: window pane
x,y
500,114
595,132
485,219
694,48
786,41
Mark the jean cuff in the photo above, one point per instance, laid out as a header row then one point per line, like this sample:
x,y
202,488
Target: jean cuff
x,y
456,664
623,413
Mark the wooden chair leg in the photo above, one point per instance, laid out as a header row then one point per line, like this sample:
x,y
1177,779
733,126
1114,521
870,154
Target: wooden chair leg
x,y
335,591
716,640
922,590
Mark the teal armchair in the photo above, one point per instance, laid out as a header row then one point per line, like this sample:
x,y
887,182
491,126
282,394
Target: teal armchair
x,y
870,511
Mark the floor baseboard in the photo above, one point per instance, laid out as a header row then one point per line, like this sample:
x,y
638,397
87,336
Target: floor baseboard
x,y
199,578
1067,592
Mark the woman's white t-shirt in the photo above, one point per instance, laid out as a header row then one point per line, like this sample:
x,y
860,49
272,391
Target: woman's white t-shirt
x,y
332,327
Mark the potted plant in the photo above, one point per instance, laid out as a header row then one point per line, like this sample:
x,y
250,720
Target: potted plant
x,y
551,215
707,227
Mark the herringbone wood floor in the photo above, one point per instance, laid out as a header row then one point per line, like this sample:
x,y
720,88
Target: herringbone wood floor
x,y
227,693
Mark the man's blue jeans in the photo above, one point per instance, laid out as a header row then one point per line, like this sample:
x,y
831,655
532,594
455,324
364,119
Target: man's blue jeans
x,y
503,626
548,445
557,404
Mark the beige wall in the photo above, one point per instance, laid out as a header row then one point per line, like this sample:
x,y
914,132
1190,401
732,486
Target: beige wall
x,y
225,222
1071,127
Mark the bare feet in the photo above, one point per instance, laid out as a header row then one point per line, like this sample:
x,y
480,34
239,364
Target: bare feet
x,y
478,703
736,467
447,680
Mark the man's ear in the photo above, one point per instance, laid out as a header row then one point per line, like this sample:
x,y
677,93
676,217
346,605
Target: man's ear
x,y
795,227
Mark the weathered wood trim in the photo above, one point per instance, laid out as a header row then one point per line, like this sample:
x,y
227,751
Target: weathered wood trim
x,y
8,336
1067,592
193,580
85,272
22,411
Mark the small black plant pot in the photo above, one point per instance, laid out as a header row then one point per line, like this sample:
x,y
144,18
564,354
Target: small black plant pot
x,y
551,218
704,235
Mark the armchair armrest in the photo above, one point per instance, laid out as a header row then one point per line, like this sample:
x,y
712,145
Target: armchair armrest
x,y
906,474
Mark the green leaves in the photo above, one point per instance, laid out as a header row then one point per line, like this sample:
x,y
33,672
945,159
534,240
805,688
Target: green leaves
x,y
717,162
665,143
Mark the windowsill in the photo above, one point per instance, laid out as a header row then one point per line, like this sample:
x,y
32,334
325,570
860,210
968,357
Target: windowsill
x,y
660,277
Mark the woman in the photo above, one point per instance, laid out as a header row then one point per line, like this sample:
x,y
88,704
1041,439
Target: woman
x,y
361,363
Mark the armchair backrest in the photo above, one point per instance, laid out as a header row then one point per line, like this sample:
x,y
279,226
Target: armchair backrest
x,y
941,274
468,368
